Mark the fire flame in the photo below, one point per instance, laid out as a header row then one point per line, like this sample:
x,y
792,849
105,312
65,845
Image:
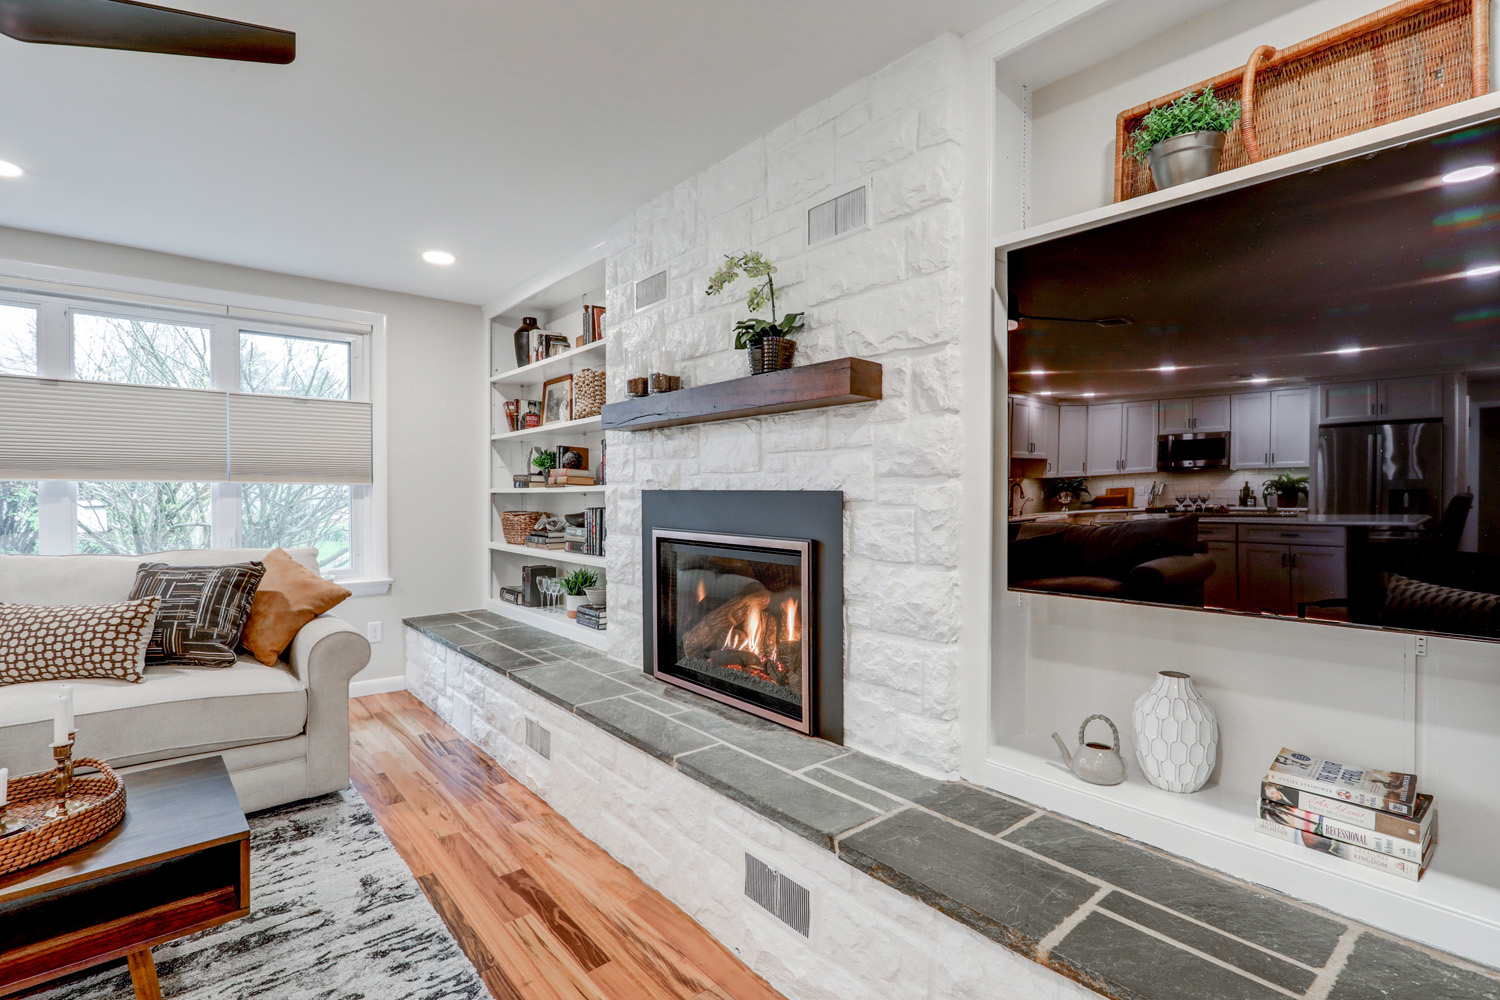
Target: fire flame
x,y
702,592
793,623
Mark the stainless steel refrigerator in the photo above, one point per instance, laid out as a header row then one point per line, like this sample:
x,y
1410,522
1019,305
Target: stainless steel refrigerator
x,y
1390,468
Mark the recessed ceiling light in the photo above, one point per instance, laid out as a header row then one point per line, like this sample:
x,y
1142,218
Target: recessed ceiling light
x,y
1468,174
1044,392
1166,369
1088,395
1355,350
1259,379
1036,372
1482,271
9,169
441,257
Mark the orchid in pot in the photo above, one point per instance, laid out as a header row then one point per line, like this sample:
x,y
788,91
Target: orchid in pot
x,y
767,342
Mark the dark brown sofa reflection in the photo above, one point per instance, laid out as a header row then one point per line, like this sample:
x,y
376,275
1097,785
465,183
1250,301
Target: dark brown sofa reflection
x,y
1150,559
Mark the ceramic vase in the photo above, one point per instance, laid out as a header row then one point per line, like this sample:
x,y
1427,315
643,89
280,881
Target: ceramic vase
x,y
1176,734
572,602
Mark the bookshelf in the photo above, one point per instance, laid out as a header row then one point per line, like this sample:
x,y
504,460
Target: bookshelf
x,y
557,302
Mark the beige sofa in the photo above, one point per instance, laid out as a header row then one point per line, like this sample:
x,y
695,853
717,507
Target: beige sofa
x,y
283,730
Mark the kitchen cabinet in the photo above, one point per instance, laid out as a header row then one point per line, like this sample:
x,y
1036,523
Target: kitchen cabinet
x,y
1033,430
1272,429
1121,438
1222,589
1072,440
1281,568
1417,398
1193,415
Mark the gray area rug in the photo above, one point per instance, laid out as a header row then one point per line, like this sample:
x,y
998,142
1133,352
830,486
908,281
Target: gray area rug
x,y
335,915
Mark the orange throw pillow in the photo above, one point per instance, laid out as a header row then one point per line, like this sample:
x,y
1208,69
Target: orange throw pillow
x,y
290,595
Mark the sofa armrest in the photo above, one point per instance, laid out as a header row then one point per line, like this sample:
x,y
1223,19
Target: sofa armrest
x,y
324,656
1171,572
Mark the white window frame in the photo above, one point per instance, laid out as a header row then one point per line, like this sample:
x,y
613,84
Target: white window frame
x,y
56,293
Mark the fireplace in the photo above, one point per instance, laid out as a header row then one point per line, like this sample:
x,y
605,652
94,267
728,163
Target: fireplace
x,y
732,620
744,601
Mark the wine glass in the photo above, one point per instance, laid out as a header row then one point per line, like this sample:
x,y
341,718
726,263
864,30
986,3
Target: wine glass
x,y
1182,499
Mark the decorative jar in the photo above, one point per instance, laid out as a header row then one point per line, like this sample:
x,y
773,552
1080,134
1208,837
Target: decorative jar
x,y
1176,734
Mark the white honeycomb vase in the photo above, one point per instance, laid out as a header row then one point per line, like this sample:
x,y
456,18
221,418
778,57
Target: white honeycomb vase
x,y
1176,734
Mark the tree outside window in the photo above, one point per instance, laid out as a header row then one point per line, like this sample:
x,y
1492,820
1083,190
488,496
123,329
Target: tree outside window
x,y
290,514
17,340
141,352
19,511
130,518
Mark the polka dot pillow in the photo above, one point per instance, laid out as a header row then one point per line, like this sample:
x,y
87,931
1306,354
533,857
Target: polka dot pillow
x,y
39,643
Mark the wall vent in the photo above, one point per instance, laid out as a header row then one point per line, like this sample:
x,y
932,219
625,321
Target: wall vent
x,y
839,216
539,738
651,290
778,895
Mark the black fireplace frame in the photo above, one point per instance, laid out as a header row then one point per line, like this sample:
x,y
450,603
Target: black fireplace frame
x,y
816,515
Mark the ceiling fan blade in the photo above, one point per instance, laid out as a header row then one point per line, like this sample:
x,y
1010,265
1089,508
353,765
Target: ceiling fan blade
x,y
143,27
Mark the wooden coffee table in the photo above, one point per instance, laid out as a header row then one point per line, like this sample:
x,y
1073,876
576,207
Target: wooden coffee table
x,y
178,863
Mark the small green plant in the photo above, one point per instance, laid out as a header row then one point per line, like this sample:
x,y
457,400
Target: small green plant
x,y
1077,487
575,582
1286,485
544,460
753,264
1204,112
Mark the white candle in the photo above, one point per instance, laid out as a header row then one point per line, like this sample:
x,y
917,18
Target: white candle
x,y
4,786
67,694
59,721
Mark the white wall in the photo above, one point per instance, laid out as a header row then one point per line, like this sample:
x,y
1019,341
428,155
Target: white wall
x,y
434,383
893,295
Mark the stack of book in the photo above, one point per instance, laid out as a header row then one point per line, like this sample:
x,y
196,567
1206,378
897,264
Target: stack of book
x,y
545,539
593,616
589,538
570,477
534,481
593,324
1373,818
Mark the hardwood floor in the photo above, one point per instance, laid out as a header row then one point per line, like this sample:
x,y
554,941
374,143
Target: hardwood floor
x,y
541,911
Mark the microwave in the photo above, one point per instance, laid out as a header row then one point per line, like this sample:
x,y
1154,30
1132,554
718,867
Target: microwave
x,y
1192,451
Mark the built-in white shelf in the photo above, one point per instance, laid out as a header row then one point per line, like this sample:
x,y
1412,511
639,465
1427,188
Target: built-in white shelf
x,y
586,424
554,555
555,621
540,490
540,371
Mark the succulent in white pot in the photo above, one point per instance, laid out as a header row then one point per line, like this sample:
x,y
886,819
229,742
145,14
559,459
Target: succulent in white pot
x,y
574,586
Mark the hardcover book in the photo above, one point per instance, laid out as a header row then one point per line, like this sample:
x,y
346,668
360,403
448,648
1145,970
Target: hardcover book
x,y
1409,870
1342,832
1413,828
1391,791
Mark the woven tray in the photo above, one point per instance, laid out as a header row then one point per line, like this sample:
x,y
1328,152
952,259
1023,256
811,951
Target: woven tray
x,y
1402,60
103,799
515,525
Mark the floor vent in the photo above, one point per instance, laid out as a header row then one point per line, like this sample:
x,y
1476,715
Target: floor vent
x,y
539,738
778,895
651,290
838,216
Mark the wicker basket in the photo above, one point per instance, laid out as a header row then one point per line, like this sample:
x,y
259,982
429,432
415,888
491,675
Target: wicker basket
x,y
515,525
1405,59
588,393
102,796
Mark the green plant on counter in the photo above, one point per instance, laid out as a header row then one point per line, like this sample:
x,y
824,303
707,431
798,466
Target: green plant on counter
x,y
577,581
753,264
1077,487
544,461
1204,112
1284,485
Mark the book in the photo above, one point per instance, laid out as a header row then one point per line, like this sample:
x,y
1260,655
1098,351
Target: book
x,y
1410,870
513,414
1342,832
571,481
512,595
529,577
1391,791
1413,828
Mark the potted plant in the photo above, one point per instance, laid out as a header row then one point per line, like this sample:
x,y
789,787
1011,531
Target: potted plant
x,y
1065,491
574,585
766,342
1183,141
544,461
1286,487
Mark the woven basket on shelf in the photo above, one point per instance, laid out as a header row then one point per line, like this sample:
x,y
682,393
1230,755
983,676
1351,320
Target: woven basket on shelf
x,y
103,799
517,524
588,393
1405,59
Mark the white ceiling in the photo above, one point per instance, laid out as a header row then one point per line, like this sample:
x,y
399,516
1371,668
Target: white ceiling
x,y
510,133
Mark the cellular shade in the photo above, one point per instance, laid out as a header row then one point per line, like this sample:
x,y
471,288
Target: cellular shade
x,y
282,439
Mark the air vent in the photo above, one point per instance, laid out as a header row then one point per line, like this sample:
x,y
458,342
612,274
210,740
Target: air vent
x,y
651,290
838,216
778,895
539,738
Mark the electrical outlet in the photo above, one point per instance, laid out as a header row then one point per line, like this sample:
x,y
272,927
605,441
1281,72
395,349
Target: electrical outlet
x,y
1421,645
372,631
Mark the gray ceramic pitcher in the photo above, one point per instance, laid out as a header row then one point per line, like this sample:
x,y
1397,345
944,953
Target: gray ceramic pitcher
x,y
1095,762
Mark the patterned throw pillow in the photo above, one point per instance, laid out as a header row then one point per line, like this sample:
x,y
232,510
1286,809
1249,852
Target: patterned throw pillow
x,y
203,610
62,643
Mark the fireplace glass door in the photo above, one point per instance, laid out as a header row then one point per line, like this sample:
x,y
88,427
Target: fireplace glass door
x,y
732,616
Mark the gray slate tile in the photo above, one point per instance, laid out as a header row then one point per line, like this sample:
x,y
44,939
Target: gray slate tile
x,y
546,655
869,796
644,729
974,806
778,744
1004,894
1237,909
568,684
657,704
797,804
497,656
427,621
1380,969
455,636
492,619
1121,961
888,777
1236,953
667,692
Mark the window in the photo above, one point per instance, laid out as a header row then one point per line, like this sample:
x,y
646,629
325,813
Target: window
x,y
210,478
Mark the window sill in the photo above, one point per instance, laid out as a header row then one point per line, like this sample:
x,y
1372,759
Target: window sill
x,y
367,586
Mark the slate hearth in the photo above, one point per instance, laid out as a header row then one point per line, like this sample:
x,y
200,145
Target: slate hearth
x,y
1124,919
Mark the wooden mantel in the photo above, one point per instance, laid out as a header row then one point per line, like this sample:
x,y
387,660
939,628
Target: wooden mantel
x,y
829,383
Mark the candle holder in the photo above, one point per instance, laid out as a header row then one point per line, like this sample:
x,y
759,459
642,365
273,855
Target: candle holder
x,y
62,756
9,826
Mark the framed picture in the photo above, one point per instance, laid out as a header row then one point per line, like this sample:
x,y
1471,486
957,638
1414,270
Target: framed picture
x,y
557,399
556,343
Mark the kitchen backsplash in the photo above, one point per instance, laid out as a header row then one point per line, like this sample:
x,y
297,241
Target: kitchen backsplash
x,y
1223,486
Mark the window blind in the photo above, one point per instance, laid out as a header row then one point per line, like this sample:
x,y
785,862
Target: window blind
x,y
66,429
